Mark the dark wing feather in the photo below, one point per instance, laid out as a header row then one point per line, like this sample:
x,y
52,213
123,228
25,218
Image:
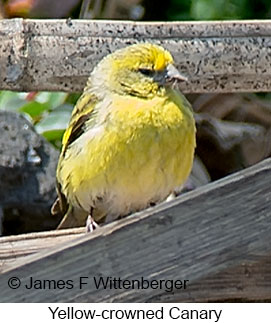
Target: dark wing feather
x,y
83,112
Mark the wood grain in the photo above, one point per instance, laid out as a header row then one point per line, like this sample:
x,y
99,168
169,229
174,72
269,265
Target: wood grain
x,y
214,229
13,249
232,56
248,282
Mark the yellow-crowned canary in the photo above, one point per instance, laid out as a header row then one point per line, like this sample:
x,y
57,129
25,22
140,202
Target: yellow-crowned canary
x,y
130,141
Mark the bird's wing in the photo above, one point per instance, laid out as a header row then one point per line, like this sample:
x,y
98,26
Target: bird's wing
x,y
83,112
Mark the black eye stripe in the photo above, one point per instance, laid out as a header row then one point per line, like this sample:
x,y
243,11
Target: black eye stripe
x,y
146,72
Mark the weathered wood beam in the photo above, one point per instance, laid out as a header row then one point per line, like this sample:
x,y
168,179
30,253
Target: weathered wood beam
x,y
60,54
249,281
14,249
217,227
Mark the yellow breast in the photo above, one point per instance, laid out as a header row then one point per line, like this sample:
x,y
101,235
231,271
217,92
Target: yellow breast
x,y
140,152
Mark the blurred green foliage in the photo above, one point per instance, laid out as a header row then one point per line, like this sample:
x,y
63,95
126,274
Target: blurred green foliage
x,y
48,111
160,10
217,9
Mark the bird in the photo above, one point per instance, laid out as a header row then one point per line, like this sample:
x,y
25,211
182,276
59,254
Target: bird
x,y
130,140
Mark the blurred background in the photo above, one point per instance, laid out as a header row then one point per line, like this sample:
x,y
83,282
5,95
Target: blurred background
x,y
233,130
139,9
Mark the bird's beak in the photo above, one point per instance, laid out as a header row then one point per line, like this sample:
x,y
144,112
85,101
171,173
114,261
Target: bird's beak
x,y
169,76
173,75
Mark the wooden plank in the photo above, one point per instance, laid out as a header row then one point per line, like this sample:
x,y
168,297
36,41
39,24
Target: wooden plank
x,y
250,281
232,56
13,249
217,227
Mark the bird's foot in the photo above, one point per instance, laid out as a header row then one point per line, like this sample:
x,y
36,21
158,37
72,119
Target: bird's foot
x,y
91,225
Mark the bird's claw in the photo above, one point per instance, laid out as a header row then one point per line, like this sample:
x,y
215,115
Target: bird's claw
x,y
91,225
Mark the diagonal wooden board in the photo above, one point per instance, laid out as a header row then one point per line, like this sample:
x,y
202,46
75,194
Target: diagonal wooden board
x,y
214,228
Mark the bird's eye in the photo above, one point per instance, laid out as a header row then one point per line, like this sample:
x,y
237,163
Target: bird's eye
x,y
146,72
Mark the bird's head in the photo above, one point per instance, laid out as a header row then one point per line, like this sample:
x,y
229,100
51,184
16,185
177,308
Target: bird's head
x,y
142,70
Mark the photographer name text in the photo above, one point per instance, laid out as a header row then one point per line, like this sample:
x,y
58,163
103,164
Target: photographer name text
x,y
100,282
